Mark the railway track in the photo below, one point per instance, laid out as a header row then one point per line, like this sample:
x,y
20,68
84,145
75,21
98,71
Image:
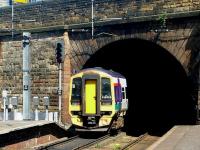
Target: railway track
x,y
119,142
142,143
134,142
125,142
73,143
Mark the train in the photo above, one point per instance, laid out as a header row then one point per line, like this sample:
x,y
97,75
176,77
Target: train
x,y
97,100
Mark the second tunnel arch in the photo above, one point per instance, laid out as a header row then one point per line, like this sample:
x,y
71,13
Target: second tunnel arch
x,y
159,91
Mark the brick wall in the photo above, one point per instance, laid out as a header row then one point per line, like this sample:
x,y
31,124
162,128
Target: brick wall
x,y
29,137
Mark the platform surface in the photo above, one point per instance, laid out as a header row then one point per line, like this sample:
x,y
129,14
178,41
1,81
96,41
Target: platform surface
x,y
179,138
9,126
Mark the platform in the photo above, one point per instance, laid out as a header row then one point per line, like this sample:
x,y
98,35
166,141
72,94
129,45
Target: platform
x,y
179,138
16,135
10,126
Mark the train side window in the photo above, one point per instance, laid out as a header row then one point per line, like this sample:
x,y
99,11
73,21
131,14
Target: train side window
x,y
76,90
123,93
105,89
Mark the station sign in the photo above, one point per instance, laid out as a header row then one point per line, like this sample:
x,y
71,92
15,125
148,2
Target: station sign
x,y
21,1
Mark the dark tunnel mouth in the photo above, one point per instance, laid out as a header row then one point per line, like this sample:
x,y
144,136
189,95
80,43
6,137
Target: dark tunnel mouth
x,y
159,90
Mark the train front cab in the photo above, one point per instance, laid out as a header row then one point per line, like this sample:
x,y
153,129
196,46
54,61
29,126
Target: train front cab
x,y
92,103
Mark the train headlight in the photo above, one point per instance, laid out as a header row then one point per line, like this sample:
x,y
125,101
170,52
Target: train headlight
x,y
75,103
106,103
76,112
106,113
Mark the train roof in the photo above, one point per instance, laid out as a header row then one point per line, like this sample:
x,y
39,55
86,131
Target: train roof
x,y
110,72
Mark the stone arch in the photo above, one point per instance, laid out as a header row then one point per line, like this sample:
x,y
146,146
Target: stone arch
x,y
83,46
159,89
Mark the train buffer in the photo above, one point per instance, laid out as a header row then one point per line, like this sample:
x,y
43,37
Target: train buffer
x,y
184,137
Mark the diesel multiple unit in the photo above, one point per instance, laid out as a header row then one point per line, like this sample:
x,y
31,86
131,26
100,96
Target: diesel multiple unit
x,y
98,100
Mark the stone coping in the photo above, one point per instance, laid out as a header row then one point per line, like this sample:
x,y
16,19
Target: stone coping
x,y
86,25
10,126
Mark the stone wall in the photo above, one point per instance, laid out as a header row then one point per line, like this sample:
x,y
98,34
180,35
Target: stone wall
x,y
68,12
63,14
44,70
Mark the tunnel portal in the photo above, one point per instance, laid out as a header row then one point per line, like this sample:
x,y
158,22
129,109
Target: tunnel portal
x,y
159,90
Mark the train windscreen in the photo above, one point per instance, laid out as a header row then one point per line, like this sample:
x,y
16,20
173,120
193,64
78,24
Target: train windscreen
x,y
106,90
76,91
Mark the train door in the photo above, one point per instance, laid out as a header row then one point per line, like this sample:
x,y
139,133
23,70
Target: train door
x,y
90,96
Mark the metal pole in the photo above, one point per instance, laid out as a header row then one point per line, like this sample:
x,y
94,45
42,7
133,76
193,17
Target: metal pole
x,y
47,114
12,19
60,91
4,109
36,114
6,112
4,96
26,76
92,19
15,113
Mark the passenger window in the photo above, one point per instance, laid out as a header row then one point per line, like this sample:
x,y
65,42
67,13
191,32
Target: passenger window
x,y
76,90
123,93
105,89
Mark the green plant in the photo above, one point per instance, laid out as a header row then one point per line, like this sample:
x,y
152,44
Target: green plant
x,y
97,145
162,19
117,147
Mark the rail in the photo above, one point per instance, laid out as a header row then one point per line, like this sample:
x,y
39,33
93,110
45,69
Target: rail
x,y
92,142
134,142
73,143
54,143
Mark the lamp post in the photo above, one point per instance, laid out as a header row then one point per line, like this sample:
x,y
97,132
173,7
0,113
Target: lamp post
x,y
12,20
26,76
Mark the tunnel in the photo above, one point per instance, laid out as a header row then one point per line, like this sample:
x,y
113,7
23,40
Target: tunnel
x,y
159,90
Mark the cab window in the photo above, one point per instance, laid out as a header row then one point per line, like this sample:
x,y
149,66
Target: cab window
x,y
105,89
76,90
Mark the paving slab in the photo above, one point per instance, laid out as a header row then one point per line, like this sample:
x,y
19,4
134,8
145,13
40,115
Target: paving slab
x,y
179,138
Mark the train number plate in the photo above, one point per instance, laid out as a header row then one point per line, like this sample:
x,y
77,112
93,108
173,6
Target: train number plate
x,y
91,120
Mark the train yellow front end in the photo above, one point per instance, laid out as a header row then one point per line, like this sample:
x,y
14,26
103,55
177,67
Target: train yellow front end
x,y
93,105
